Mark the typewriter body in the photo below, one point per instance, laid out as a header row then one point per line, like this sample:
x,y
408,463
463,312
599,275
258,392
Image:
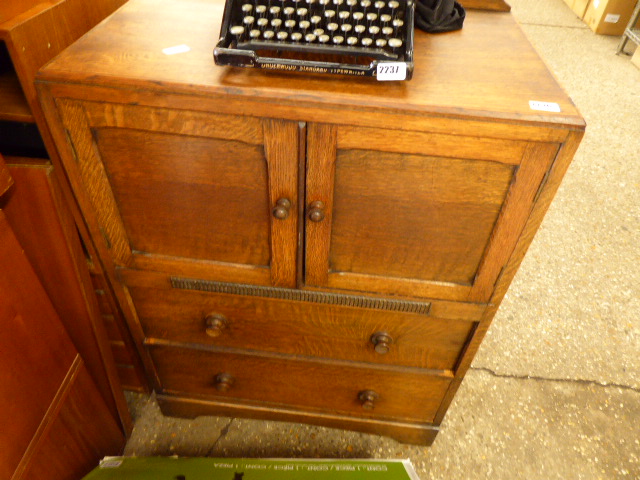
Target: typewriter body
x,y
345,37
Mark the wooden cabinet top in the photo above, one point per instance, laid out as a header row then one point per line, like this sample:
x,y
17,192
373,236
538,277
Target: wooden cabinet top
x,y
488,70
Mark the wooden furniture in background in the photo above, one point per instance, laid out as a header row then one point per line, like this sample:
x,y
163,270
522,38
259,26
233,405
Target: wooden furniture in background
x,y
316,249
42,210
55,423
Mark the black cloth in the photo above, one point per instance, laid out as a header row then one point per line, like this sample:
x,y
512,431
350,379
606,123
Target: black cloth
x,y
436,16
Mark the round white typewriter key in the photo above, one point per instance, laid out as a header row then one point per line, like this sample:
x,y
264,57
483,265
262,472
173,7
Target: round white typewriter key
x,y
304,24
352,3
268,34
371,16
282,35
358,15
379,4
398,23
316,19
385,18
395,42
248,20
254,33
338,39
310,2
365,3
393,4
276,22
261,9
343,15
247,7
236,30
352,40
288,11
296,36
366,41
359,28
387,30
302,12
374,29
330,13
318,31
262,22
338,2
346,27
381,42
332,27
309,37
292,23
275,10
324,2
324,38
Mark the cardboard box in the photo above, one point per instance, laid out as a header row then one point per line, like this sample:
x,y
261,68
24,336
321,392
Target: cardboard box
x,y
609,17
172,468
579,7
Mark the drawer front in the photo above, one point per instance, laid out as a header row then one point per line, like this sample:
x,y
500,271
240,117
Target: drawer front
x,y
301,328
337,388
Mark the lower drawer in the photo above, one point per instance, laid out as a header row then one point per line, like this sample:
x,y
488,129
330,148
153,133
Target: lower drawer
x,y
335,387
301,328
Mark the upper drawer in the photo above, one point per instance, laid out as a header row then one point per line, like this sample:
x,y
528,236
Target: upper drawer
x,y
362,334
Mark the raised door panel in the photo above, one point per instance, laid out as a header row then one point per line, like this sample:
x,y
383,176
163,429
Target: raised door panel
x,y
189,193
431,215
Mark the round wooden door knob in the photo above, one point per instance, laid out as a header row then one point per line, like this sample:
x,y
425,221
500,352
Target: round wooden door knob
x,y
316,211
215,324
381,342
224,382
368,399
281,210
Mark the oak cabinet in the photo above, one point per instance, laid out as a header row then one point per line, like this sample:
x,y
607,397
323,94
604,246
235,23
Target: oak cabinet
x,y
312,249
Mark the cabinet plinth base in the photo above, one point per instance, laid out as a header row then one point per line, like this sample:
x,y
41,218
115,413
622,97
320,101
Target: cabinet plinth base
x,y
416,434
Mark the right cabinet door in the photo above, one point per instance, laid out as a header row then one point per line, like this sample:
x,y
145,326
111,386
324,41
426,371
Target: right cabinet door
x,y
416,213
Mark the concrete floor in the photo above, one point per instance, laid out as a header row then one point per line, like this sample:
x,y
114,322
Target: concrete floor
x,y
554,392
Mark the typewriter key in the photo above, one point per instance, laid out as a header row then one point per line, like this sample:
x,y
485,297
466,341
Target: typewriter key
x,y
338,39
262,22
254,33
379,5
316,19
237,30
365,3
302,12
352,40
261,9
374,29
387,31
310,2
398,23
395,42
296,36
309,37
359,28
366,41
346,27
268,34
330,13
288,11
318,31
324,38
381,42
282,35
276,22
275,10
371,16
384,18
304,24
291,23
324,2
332,27
343,15
352,3
393,4
248,20
338,2
358,16
247,7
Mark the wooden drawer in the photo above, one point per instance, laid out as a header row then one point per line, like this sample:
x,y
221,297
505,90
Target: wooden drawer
x,y
325,386
301,328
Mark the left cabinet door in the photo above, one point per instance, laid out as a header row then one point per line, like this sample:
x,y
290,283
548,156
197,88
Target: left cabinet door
x,y
188,193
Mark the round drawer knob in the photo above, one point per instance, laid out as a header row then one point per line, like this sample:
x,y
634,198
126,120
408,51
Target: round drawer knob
x,y
281,210
316,211
368,399
381,342
224,382
215,323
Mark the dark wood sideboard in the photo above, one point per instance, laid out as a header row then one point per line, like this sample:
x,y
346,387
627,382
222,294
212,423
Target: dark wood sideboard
x,y
307,248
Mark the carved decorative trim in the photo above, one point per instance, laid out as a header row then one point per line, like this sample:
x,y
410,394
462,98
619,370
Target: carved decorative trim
x,y
359,301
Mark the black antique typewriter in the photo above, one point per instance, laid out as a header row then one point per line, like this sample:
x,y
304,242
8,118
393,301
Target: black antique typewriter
x,y
346,37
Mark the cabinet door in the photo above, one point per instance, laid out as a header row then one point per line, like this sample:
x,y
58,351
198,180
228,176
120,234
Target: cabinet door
x,y
189,193
414,213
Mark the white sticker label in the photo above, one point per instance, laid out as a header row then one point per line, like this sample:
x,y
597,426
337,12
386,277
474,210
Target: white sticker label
x,y
110,463
612,18
544,106
177,49
391,71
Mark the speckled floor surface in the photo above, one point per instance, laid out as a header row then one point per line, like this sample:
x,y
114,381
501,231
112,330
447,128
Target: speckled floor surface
x,y
554,392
